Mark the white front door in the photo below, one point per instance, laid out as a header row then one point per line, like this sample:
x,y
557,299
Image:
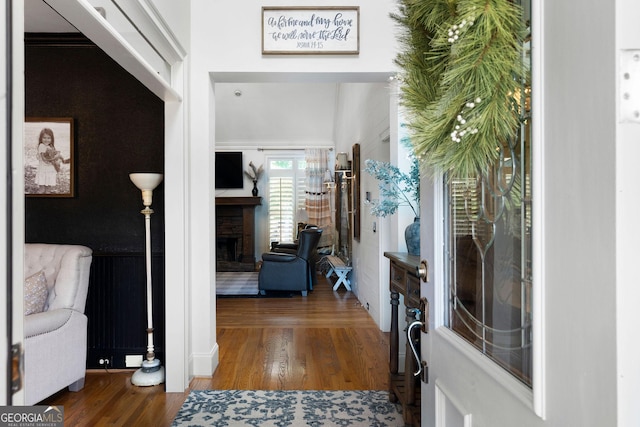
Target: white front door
x,y
478,243
479,345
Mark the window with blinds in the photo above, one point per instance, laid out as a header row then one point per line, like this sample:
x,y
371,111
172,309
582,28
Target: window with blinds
x,y
463,200
286,193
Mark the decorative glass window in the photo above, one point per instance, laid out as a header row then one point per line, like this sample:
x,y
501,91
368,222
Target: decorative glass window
x,y
489,252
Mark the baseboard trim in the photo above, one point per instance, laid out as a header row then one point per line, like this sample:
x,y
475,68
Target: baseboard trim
x,y
205,364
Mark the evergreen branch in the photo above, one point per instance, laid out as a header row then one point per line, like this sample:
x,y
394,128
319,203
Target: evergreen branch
x,y
461,68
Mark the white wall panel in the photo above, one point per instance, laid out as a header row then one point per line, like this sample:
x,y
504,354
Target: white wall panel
x,y
627,232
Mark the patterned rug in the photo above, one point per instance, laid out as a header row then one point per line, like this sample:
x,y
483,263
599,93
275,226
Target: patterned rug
x,y
237,283
363,408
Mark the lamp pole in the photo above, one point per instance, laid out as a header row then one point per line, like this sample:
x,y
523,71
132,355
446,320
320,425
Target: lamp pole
x,y
147,211
152,372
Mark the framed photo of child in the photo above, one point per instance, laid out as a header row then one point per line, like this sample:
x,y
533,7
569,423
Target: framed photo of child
x,y
48,157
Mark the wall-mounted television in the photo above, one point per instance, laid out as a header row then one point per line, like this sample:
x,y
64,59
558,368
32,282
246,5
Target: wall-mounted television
x,y
229,172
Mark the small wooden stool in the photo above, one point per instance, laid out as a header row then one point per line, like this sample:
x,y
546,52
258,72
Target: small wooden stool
x,y
341,270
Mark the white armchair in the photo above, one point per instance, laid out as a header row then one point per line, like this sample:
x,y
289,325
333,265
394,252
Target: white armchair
x,y
55,354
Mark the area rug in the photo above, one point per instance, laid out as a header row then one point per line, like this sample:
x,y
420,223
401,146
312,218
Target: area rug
x,y
361,408
237,283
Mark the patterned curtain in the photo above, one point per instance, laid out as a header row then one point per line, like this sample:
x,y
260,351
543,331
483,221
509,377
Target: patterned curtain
x,y
318,198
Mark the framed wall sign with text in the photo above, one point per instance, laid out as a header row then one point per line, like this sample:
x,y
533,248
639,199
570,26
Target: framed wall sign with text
x,y
310,30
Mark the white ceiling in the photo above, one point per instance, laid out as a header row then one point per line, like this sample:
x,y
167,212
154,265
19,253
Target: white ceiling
x,y
278,112
264,112
40,18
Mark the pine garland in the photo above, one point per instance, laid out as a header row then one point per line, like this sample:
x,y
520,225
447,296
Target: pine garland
x,y
461,66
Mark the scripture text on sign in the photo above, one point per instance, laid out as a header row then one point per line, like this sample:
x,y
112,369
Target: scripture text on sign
x,y
306,30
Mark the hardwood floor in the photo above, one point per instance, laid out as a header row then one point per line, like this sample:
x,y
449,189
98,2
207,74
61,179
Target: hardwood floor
x,y
326,341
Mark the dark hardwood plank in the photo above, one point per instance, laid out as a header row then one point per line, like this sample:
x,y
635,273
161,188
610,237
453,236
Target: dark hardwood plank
x,y
326,341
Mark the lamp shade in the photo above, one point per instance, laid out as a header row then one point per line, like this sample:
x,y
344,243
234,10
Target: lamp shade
x,y
342,161
146,181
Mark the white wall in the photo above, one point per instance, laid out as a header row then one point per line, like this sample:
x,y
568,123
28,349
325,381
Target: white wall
x,y
4,200
231,50
578,197
179,352
233,43
627,232
16,219
176,15
363,118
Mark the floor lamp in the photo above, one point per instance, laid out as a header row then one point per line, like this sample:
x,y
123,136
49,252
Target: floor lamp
x,y
152,372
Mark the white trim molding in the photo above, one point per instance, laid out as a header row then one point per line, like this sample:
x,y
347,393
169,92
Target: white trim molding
x,y
82,15
538,184
445,399
153,28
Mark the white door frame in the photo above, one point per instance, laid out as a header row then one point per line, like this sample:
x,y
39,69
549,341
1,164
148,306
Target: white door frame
x,y
15,218
5,216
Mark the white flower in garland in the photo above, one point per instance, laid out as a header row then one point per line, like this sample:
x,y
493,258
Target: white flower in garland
x,y
455,51
456,30
461,128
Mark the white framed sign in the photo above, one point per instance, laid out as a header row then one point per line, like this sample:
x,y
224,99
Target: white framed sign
x,y
310,30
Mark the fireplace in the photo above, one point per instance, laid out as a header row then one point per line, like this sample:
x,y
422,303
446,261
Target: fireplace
x,y
227,249
235,233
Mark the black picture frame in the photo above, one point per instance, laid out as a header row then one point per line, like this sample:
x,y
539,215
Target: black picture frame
x,y
49,171
355,173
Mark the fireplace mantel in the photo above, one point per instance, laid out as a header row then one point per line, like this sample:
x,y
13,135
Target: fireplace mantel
x,y
238,201
236,213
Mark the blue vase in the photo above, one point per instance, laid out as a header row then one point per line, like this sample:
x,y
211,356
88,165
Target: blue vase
x,y
412,237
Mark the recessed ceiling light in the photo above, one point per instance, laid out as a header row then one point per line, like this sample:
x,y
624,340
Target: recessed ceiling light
x,y
237,92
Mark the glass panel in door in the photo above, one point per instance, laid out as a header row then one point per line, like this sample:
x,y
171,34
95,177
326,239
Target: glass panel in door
x,y
488,232
490,261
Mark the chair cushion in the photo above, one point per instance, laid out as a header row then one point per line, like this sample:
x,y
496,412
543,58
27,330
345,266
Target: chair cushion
x,y
35,293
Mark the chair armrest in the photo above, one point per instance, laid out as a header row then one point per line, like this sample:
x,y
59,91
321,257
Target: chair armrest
x,y
278,257
291,246
285,251
47,321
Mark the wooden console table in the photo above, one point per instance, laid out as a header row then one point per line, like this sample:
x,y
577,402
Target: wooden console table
x,y
404,387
